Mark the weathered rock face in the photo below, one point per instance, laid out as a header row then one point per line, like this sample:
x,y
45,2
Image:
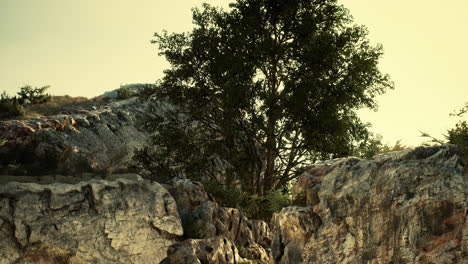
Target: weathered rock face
x,y
101,139
219,231
121,221
401,207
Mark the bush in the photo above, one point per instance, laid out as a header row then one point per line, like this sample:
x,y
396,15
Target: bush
x,y
263,207
457,135
124,92
10,107
373,145
253,206
34,95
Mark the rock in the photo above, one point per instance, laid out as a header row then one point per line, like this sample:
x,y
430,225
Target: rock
x,y
198,210
121,221
306,189
399,207
203,218
234,225
292,229
217,249
101,139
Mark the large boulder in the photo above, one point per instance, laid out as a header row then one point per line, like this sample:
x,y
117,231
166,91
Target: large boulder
x,y
121,221
100,139
399,207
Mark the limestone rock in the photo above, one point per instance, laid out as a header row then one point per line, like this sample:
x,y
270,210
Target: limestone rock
x,y
292,228
197,209
399,207
203,218
81,141
121,221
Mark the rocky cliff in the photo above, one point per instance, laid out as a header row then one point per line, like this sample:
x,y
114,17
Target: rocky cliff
x,y
401,207
101,138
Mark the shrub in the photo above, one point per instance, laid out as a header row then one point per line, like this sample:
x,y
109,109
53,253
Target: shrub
x,y
457,135
34,95
124,92
263,207
10,107
253,206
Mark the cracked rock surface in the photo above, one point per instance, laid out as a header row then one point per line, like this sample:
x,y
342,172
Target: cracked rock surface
x,y
121,221
399,207
73,142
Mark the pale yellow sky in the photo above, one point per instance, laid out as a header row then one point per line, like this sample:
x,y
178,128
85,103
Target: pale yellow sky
x,y
87,47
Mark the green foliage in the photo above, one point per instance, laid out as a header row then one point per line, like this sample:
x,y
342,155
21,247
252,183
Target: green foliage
x,y
457,135
34,95
264,89
124,92
3,141
263,207
373,145
10,107
253,206
226,196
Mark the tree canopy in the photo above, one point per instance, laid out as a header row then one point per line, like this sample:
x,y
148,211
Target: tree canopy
x,y
266,86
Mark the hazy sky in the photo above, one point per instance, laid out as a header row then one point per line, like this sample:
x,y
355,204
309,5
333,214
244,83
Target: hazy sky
x,y
87,47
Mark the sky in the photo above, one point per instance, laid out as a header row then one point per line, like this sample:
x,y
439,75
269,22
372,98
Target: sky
x,y
88,47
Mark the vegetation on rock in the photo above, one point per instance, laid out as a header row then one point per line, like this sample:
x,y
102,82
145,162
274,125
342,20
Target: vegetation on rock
x,y
457,135
36,95
258,91
10,107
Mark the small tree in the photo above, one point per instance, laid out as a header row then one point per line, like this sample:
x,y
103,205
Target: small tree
x,y
267,86
34,95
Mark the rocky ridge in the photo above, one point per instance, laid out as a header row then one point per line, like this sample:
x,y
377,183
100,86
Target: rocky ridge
x,y
401,207
99,139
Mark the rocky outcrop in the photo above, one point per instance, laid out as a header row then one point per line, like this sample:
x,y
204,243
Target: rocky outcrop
x,y
98,221
400,207
100,139
218,231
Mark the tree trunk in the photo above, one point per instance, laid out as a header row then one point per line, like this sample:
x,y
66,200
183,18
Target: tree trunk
x,y
270,157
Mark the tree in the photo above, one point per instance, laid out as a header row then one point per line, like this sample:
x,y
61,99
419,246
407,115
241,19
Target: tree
x,y
34,95
269,81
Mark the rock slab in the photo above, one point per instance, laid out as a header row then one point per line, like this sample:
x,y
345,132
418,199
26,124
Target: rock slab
x,y
98,221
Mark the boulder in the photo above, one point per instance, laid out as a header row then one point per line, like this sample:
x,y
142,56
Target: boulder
x,y
121,221
399,207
